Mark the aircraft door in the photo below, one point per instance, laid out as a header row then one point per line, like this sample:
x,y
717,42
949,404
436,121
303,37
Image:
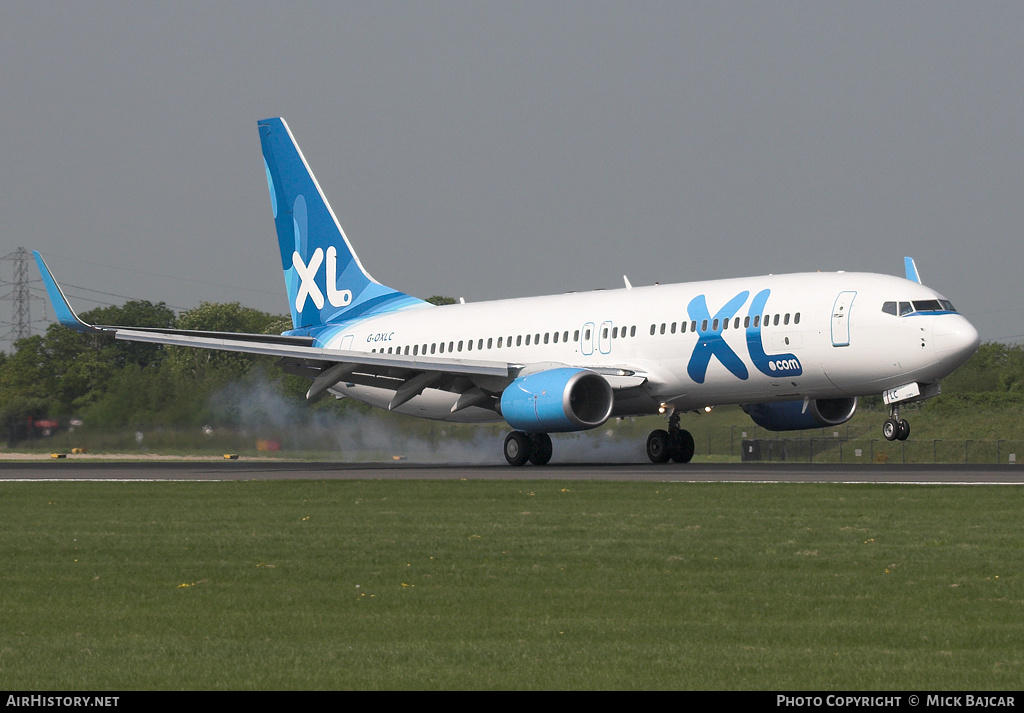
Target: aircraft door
x,y
587,339
346,342
605,338
841,319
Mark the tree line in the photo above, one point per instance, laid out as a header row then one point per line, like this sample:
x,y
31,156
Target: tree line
x,y
63,374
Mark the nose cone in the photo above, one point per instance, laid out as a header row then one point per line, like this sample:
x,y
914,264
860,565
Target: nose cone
x,y
955,339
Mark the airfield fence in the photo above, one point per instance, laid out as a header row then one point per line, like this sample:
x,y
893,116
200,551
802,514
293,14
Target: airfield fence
x,y
876,450
445,442
850,444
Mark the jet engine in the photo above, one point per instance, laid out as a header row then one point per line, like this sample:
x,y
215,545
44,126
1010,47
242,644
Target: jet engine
x,y
557,400
795,416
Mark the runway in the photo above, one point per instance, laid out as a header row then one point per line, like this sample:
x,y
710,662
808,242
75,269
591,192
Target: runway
x,y
237,470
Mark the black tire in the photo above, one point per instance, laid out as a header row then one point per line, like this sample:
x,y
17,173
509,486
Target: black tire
x,y
890,429
517,448
903,429
659,446
683,447
541,448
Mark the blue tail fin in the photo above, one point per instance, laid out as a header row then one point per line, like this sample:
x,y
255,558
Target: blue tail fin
x,y
325,280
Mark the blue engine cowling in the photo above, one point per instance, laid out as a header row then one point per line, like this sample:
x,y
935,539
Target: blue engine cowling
x,y
557,400
792,416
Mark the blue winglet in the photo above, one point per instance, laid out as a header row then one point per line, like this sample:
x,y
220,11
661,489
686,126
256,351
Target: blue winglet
x,y
65,314
911,268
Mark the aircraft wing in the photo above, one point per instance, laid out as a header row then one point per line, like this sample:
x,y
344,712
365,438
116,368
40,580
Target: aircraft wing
x,y
477,381
329,366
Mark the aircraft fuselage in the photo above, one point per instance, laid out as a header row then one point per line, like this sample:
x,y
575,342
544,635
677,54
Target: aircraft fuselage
x,y
742,340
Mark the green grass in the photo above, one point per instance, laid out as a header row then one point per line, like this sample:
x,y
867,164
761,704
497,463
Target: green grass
x,y
509,585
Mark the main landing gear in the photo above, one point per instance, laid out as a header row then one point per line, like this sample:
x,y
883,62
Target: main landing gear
x,y
675,443
896,428
534,447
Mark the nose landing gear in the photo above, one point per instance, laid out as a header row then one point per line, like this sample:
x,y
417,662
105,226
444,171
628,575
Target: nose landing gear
x,y
896,428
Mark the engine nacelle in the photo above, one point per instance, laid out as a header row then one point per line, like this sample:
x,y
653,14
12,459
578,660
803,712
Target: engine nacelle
x,y
792,416
557,400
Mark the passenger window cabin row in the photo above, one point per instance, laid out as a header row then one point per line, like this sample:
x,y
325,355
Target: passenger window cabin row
x,y
615,332
468,345
758,321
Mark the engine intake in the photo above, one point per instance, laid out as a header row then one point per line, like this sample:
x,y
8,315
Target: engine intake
x,y
792,416
557,400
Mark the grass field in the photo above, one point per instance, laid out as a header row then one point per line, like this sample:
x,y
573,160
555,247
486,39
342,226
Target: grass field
x,y
510,585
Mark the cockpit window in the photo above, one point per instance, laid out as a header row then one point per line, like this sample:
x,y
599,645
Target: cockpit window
x,y
917,306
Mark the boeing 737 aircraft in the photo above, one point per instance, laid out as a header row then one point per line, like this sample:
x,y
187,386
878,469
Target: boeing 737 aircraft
x,y
795,351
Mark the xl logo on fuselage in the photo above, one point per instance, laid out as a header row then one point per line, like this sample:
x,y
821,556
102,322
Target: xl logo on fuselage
x,y
712,344
309,288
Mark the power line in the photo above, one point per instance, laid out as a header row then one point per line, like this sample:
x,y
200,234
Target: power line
x,y
180,278
65,285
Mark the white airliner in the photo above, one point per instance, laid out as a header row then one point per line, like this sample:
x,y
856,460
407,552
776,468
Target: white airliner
x,y
795,351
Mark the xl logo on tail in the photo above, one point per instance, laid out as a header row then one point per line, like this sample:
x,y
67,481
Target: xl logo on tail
x,y
310,289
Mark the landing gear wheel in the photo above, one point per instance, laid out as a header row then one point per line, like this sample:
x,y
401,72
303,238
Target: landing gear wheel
x,y
682,446
891,429
541,449
659,446
896,428
517,448
903,429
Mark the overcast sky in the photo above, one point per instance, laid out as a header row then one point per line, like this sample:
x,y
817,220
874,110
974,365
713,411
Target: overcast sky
x,y
503,149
